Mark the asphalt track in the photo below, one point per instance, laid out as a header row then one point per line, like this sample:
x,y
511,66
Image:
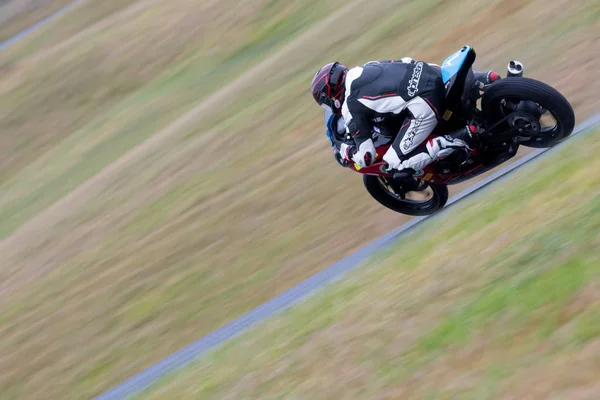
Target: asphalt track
x,y
297,293
304,289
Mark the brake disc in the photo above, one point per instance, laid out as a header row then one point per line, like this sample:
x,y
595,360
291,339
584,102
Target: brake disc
x,y
523,124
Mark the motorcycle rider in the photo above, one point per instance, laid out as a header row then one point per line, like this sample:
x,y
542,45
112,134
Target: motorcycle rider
x,y
404,96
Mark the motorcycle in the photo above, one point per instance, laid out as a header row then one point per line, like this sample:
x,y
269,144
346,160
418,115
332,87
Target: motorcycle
x,y
515,111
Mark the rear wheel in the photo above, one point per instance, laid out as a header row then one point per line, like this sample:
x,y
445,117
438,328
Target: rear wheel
x,y
423,198
536,113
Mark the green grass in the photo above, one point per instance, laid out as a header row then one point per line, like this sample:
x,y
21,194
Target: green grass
x,y
492,298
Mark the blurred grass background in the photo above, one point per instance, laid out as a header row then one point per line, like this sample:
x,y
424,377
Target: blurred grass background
x,y
498,297
18,15
163,168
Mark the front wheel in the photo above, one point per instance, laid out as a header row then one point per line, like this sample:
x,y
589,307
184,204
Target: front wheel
x,y
537,113
425,198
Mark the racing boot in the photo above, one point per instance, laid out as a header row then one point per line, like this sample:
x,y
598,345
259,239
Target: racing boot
x,y
464,139
467,137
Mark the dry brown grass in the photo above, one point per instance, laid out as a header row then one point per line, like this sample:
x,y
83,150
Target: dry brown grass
x,y
88,74
194,213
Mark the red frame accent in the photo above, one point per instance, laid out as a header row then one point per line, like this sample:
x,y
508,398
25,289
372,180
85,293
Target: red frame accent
x,y
381,96
435,177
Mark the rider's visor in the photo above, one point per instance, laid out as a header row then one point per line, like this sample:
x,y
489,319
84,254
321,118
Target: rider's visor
x,y
324,100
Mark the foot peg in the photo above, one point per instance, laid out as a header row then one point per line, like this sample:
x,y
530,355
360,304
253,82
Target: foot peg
x,y
408,182
403,176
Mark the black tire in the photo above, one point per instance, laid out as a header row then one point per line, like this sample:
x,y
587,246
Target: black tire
x,y
387,199
530,89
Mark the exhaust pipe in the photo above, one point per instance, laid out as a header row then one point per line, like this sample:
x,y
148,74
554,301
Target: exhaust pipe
x,y
515,69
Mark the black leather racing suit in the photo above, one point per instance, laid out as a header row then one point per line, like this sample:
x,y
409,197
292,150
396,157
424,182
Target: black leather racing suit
x,y
404,94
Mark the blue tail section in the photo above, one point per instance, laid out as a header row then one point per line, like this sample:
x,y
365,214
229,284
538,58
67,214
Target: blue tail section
x,y
453,64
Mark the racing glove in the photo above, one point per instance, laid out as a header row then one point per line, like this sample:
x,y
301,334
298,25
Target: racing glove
x,y
364,156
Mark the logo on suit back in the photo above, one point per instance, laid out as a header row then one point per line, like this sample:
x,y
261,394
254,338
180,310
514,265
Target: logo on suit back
x,y
413,85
